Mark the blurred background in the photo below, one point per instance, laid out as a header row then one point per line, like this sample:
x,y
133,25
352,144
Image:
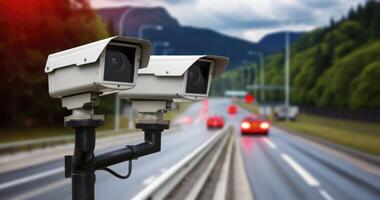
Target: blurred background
x,y
310,66
334,52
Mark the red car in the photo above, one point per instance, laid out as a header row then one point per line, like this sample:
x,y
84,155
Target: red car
x,y
215,121
255,126
186,120
232,109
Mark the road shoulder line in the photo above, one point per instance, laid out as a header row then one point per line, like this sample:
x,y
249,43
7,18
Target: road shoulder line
x,y
349,151
240,182
366,165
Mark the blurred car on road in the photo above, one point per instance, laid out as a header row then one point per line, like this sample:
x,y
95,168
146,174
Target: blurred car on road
x,y
215,121
232,109
186,120
280,112
255,125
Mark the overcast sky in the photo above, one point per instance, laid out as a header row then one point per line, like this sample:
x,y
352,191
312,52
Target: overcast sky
x,y
248,19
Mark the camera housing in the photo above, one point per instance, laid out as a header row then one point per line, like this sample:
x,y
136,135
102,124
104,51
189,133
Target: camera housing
x,y
175,78
100,67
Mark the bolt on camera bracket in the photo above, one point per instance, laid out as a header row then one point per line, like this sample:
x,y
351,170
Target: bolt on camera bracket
x,y
81,166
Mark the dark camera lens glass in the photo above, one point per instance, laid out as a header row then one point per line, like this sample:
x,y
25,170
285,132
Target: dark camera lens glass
x,y
119,64
117,61
198,77
195,75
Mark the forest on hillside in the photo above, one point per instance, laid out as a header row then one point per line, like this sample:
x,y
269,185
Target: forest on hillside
x,y
339,65
27,37
334,66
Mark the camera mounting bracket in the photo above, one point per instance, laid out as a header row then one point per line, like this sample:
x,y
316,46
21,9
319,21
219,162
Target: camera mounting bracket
x,y
150,106
80,101
82,107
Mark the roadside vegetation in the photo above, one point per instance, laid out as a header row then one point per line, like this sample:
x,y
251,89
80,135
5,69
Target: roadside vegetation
x,y
254,108
361,136
20,134
358,135
337,66
334,66
29,37
181,107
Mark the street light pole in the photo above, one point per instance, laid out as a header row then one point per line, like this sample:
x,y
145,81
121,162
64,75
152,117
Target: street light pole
x,y
242,77
221,89
287,53
122,18
156,44
143,27
167,50
262,77
117,97
140,35
262,73
254,69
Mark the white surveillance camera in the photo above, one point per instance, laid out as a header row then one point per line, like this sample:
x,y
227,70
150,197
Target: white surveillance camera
x,y
101,67
176,78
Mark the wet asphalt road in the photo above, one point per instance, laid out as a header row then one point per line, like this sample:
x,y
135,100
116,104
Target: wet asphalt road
x,y
280,166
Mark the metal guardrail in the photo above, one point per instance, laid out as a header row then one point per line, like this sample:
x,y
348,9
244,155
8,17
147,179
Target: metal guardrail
x,y
221,189
220,192
164,184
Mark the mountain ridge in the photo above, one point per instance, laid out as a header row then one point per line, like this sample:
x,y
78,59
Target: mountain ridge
x,y
274,42
182,39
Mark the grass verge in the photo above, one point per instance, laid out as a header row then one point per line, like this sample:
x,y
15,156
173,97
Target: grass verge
x,y
254,108
20,134
362,136
182,107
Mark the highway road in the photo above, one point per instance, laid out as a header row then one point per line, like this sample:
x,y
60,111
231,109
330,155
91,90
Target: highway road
x,y
280,166
46,181
283,166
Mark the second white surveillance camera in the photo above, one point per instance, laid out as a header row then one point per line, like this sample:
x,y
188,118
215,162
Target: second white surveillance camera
x,y
176,78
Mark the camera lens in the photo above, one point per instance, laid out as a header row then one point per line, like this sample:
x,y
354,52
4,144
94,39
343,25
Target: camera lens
x,y
119,63
198,77
195,75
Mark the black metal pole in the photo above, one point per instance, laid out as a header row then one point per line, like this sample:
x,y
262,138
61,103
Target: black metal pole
x,y
82,165
83,172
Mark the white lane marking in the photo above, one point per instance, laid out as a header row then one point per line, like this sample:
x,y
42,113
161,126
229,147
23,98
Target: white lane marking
x,y
31,178
42,190
270,143
325,195
149,180
300,170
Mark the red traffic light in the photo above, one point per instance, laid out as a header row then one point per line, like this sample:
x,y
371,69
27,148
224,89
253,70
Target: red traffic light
x,y
249,98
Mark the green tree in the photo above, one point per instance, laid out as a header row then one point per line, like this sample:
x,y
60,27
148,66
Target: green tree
x,y
366,88
31,30
375,23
